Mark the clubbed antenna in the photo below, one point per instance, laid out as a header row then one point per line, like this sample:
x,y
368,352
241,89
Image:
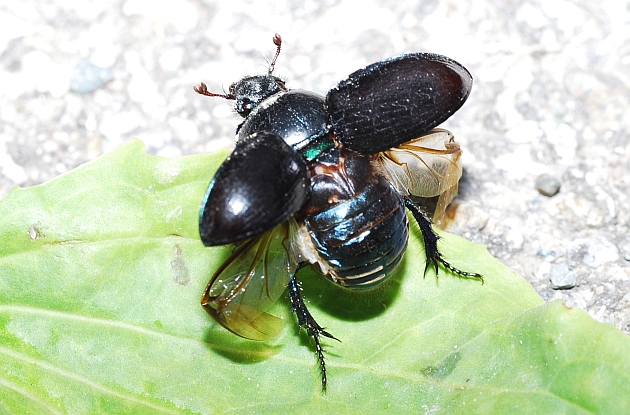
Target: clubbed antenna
x,y
203,90
277,40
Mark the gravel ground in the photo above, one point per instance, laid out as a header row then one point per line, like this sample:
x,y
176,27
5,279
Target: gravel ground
x,y
552,84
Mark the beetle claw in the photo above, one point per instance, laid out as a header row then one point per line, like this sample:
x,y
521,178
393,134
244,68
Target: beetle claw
x,y
431,262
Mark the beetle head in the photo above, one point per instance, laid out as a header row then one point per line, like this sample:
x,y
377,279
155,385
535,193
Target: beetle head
x,y
251,91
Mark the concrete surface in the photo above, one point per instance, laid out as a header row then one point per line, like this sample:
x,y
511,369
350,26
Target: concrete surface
x,y
552,85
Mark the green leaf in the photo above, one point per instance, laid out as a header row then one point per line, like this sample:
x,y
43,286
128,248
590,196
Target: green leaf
x,y
101,272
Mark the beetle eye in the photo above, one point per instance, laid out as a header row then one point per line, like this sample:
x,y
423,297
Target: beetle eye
x,y
244,106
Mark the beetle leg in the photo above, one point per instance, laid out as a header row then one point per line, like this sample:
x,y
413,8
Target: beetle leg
x,y
306,321
430,238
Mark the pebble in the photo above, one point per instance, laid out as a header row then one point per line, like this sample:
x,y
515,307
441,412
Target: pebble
x,y
561,277
547,185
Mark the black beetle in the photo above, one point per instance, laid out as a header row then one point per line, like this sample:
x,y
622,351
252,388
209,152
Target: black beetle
x,y
325,181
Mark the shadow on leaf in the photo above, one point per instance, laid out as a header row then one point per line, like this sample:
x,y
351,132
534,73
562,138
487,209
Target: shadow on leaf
x,y
238,349
346,304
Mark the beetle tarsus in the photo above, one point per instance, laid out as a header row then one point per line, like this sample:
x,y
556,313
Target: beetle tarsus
x,y
430,238
306,321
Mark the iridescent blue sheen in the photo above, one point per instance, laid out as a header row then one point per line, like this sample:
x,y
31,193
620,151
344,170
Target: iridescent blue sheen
x,y
363,236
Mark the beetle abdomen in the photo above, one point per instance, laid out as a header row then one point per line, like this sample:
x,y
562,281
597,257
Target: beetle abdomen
x,y
360,230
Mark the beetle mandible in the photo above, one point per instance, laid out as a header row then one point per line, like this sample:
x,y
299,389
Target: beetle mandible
x,y
325,182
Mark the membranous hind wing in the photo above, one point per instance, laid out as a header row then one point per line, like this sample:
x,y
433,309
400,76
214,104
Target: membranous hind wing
x,y
251,280
426,167
396,100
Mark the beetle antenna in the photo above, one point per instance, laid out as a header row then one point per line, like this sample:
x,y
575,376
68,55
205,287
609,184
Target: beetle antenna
x,y
277,40
202,89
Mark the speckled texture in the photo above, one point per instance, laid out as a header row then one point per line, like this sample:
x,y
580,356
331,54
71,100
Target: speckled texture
x,y
550,97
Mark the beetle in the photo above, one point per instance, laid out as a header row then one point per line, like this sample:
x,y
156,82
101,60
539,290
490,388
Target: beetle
x,y
326,182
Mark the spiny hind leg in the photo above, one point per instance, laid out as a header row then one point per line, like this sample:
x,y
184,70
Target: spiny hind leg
x,y
430,237
306,321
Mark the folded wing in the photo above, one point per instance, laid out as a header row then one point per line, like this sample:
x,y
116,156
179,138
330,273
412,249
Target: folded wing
x,y
427,166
